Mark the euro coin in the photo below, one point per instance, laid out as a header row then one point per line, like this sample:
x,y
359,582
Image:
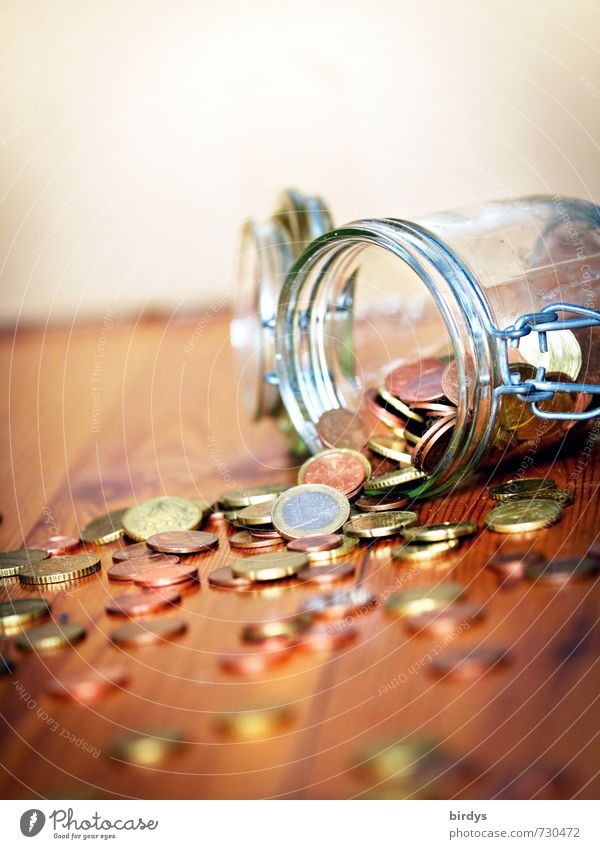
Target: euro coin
x,y
392,480
349,546
147,749
339,468
255,515
322,542
521,488
391,447
424,599
258,632
398,761
329,573
142,603
514,517
19,612
439,532
235,499
270,567
104,529
375,525
341,428
69,567
310,509
11,562
224,579
182,542
417,552
54,635
244,539
159,515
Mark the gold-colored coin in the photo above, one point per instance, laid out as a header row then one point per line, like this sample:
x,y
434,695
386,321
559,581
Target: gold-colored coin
x,y
11,562
270,567
398,405
522,488
204,506
21,611
146,632
54,635
255,724
423,599
513,414
416,552
147,749
391,480
391,447
348,547
257,632
516,516
104,529
563,354
564,497
309,510
235,499
398,761
255,515
385,524
159,515
439,531
56,570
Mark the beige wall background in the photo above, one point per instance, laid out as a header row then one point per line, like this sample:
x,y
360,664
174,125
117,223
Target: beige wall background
x,y
136,136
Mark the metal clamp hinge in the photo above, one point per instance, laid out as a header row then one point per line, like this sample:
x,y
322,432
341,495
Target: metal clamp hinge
x,y
536,390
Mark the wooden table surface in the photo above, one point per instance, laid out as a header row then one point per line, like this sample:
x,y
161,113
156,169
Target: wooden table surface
x,y
103,414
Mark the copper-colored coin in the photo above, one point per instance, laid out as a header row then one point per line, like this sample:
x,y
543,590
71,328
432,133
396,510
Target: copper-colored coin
x,y
324,638
146,632
182,542
224,579
271,533
382,503
139,604
60,544
468,664
445,620
340,470
512,564
166,576
430,449
139,549
127,570
88,686
450,382
376,405
244,539
256,662
563,570
320,542
433,410
417,381
328,574
342,429
341,604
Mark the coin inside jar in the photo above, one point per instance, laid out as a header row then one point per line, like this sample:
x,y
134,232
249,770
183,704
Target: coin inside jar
x,y
341,428
127,570
310,509
139,604
87,686
182,542
341,469
321,542
432,446
391,447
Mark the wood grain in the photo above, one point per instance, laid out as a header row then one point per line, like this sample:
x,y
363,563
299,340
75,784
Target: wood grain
x,y
102,415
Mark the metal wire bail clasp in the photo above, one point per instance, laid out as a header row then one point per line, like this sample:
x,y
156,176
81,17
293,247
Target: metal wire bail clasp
x,y
538,389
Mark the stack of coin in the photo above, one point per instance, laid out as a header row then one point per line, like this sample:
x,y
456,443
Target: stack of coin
x,y
425,542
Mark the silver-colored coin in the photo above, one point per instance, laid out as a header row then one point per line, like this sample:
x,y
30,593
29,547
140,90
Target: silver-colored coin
x,y
310,509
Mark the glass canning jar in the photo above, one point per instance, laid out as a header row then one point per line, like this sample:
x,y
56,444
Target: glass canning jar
x,y
504,294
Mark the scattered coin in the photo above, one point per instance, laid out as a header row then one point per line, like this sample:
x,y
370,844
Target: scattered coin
x,y
512,564
255,724
244,539
18,612
341,604
390,446
87,686
159,515
445,620
521,487
343,469
51,636
7,666
327,638
255,515
439,532
398,760
147,632
147,749
371,525
67,567
140,549
270,567
182,542
309,510
258,632
256,662
11,562
341,428
424,599
562,570
468,664
516,516
349,546
127,570
140,604
104,529
266,532
327,574
224,579
60,544
321,542
418,551
392,480
166,576
244,497
381,503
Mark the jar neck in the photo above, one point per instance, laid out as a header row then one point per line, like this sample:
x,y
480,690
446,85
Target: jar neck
x,y
304,379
